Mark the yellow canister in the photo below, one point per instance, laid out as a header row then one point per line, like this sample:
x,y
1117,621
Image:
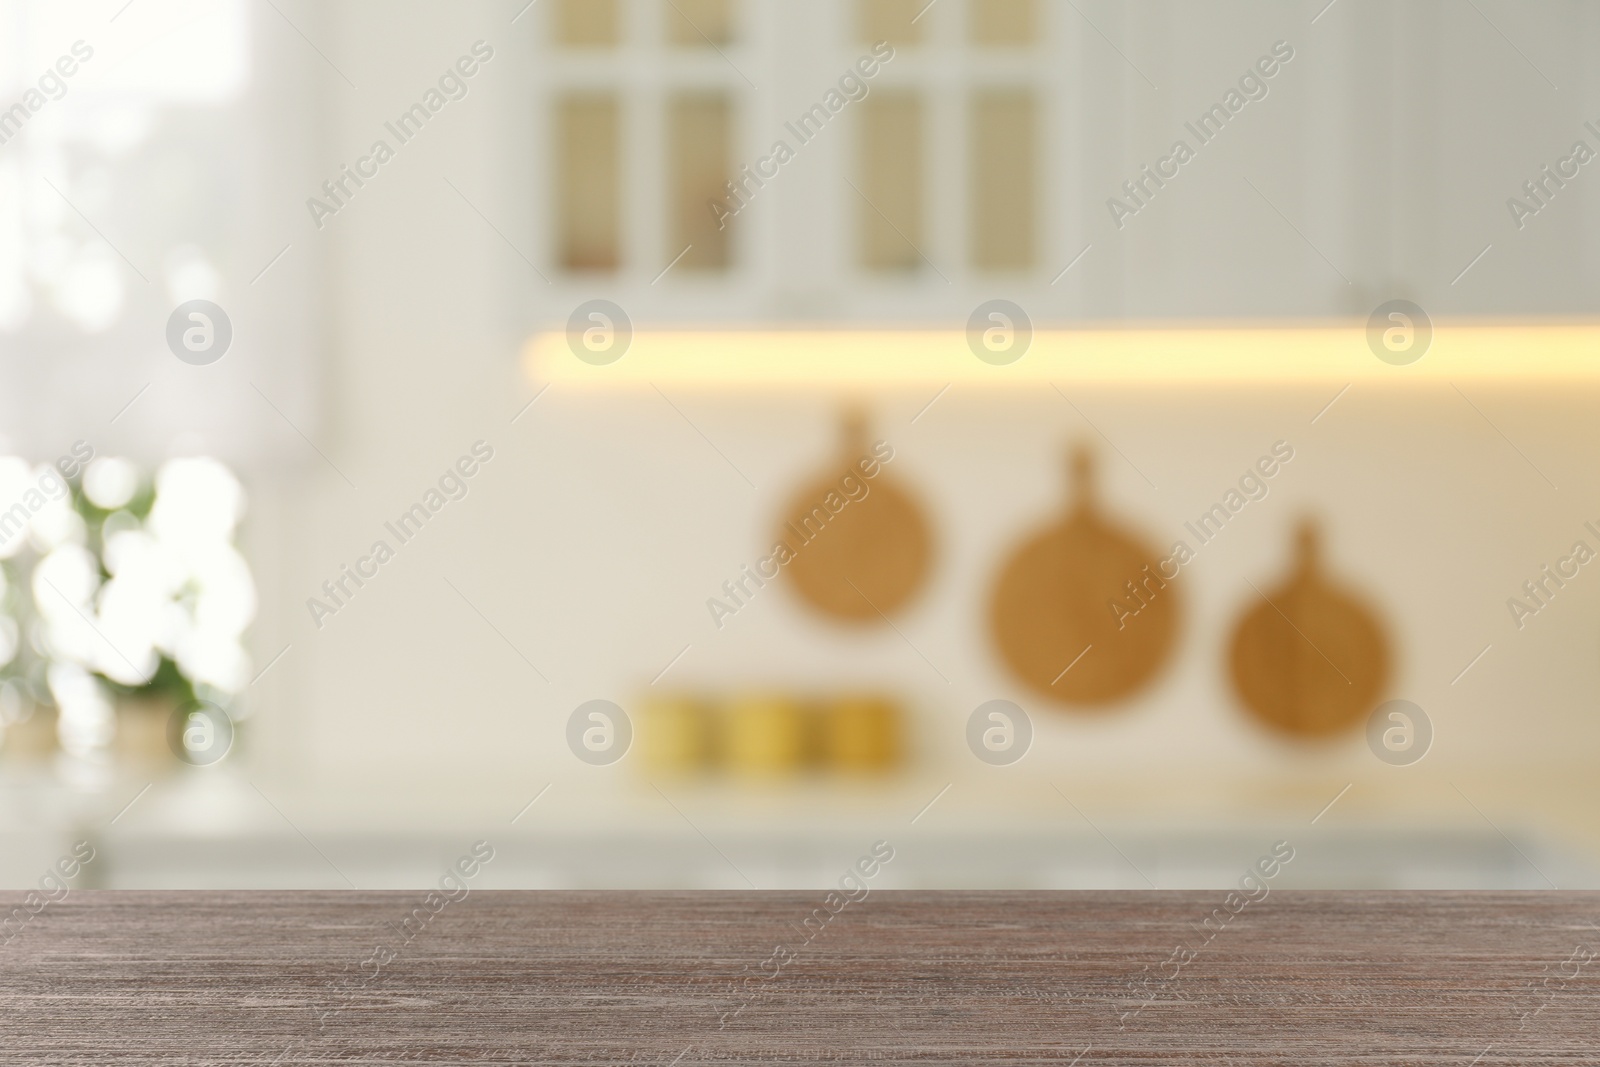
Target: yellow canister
x,y
862,734
764,736
675,735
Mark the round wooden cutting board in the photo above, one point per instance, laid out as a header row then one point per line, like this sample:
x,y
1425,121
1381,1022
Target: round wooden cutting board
x,y
1308,658
869,557
1052,616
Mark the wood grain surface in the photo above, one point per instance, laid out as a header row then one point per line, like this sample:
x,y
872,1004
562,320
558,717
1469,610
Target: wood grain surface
x,y
899,977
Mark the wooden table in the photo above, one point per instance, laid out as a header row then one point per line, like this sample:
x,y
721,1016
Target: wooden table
x,y
690,978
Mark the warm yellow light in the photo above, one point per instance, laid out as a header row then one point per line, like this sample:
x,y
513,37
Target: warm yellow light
x,y
1532,353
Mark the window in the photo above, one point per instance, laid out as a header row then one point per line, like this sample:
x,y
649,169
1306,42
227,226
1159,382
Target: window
x,y
140,108
162,169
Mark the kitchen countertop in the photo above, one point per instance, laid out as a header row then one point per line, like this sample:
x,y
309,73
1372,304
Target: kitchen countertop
x,y
219,829
739,977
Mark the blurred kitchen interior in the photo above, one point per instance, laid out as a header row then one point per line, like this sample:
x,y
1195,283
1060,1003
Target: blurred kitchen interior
x,y
384,327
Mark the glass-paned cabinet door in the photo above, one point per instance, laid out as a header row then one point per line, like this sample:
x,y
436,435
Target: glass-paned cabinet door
x,y
758,158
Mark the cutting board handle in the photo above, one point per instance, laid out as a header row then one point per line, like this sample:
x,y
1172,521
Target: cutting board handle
x,y
1081,488
853,431
1307,548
